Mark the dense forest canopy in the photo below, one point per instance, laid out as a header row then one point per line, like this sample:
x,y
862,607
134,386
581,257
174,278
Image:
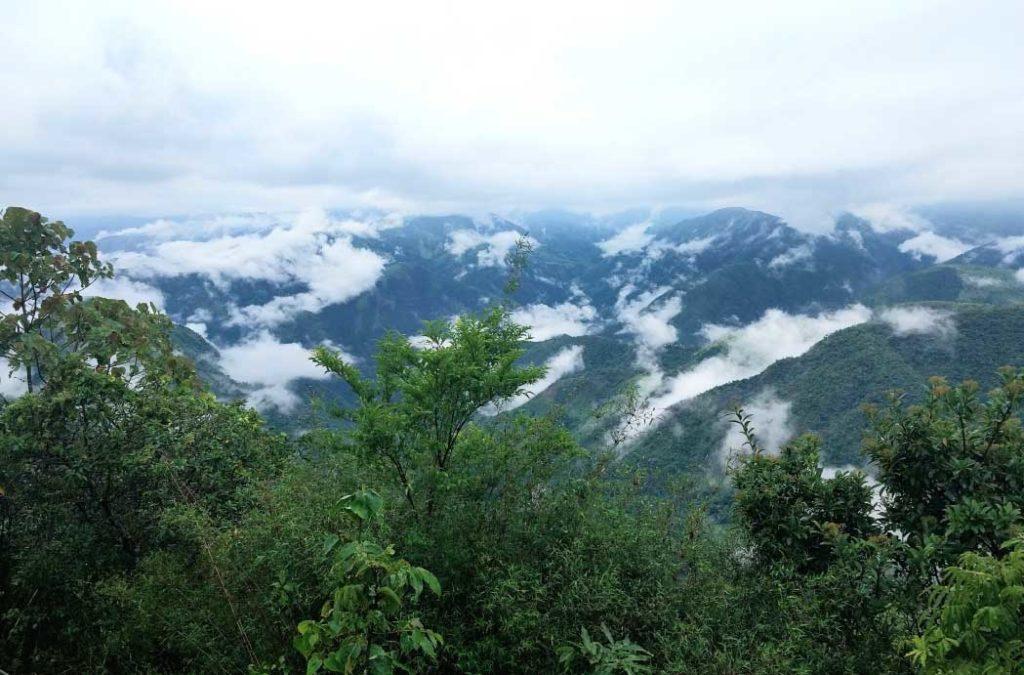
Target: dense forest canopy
x,y
146,526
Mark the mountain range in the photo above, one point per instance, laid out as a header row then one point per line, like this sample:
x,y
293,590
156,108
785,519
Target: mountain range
x,y
698,313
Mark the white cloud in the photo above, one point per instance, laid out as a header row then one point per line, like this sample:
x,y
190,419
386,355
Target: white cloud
x,y
1009,244
546,321
695,246
123,288
270,366
196,106
311,249
1019,275
934,245
338,272
565,362
886,217
633,239
919,320
752,348
493,246
770,416
648,318
636,239
982,282
11,386
793,255
1012,249
648,315
197,327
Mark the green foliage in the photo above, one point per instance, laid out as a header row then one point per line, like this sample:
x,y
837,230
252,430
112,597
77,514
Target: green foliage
x,y
515,262
606,658
976,621
411,416
953,467
43,275
100,475
792,513
366,626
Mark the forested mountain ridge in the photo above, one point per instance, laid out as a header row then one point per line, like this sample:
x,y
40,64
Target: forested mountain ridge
x,y
611,304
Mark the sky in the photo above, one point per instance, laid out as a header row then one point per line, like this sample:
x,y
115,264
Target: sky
x,y
799,108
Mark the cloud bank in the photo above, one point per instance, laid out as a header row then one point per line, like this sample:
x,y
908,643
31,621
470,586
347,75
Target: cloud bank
x,y
547,321
565,362
123,288
919,320
750,349
270,367
935,246
491,248
310,250
191,107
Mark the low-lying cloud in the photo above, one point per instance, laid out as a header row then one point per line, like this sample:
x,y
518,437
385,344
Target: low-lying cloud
x,y
493,246
792,256
270,366
750,349
647,315
124,288
312,250
919,320
770,416
935,246
564,362
547,321
632,239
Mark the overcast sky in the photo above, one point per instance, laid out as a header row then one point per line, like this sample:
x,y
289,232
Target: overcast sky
x,y
800,108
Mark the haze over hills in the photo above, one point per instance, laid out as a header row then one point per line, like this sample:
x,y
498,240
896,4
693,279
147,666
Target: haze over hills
x,y
699,313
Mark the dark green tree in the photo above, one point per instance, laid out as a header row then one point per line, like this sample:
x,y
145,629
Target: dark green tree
x,y
411,416
42,275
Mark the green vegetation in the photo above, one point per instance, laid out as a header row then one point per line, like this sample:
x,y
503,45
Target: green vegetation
x,y
147,527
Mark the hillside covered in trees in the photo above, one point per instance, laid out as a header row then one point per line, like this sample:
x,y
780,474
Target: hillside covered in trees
x,y
148,526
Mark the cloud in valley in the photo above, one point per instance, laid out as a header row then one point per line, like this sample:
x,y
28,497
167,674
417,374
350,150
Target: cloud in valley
x,y
919,320
647,315
311,250
123,288
632,239
770,416
750,349
493,247
270,366
565,362
547,321
935,246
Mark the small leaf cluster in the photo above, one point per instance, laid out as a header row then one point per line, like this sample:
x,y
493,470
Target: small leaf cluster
x,y
367,625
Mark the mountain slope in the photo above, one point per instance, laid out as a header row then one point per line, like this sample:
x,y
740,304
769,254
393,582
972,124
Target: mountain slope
x,y
822,391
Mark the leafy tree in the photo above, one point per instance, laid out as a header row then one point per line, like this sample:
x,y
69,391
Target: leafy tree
x,y
515,261
42,274
412,414
792,513
98,473
975,623
952,469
